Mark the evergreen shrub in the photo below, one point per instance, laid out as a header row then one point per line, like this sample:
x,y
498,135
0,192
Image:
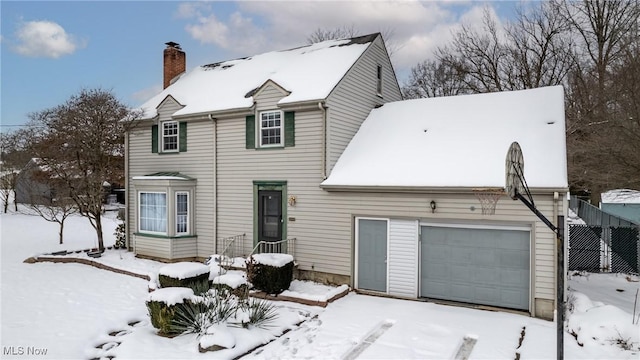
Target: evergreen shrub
x,y
199,284
270,279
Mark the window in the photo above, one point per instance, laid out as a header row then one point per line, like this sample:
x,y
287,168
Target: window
x,y
153,212
379,81
170,136
182,213
271,128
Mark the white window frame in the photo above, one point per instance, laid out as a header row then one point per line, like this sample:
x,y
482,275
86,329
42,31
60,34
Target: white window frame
x,y
163,136
139,205
379,80
177,215
280,127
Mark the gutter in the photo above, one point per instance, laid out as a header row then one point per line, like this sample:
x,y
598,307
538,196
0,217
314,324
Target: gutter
x,y
216,114
422,189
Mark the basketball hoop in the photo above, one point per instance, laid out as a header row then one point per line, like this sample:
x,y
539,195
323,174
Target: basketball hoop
x,y
514,172
488,198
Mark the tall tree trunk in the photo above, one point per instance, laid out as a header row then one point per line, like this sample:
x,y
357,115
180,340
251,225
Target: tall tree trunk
x,y
6,206
98,227
61,231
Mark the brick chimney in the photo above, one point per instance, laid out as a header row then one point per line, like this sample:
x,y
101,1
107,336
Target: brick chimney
x,y
175,62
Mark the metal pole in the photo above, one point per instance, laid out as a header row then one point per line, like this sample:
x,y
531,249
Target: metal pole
x,y
560,289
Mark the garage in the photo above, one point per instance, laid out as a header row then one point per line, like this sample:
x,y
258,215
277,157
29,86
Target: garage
x,y
478,265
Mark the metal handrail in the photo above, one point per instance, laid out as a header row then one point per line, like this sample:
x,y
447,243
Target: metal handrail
x,y
230,250
275,245
232,241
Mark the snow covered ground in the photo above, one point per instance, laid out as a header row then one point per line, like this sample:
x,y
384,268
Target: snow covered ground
x,y
74,311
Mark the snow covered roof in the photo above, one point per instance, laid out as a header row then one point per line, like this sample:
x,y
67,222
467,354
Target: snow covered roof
x,y
621,196
307,73
458,141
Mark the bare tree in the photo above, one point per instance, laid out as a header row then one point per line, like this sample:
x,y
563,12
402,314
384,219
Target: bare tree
x,y
48,197
432,78
14,158
347,32
589,47
529,52
600,87
338,33
540,48
81,142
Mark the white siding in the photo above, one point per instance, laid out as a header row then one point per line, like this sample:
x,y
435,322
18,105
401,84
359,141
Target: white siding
x,y
197,163
403,258
155,247
354,97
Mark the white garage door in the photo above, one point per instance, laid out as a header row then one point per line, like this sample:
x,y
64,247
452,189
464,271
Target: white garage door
x,y
476,265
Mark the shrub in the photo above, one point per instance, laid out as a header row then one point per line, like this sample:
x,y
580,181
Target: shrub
x,y
185,274
163,305
268,278
121,236
199,284
241,292
162,316
261,313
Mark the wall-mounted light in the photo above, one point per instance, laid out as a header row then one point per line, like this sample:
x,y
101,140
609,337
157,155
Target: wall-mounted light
x,y
292,200
433,206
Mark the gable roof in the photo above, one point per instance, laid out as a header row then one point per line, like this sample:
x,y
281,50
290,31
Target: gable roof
x,y
308,73
458,141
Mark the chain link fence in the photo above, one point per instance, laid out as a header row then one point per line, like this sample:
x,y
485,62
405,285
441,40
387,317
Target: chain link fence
x,y
605,243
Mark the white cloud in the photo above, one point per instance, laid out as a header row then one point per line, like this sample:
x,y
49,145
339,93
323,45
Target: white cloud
x,y
44,39
418,27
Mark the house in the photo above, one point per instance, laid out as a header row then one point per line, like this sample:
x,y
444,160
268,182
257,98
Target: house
x,y
624,203
314,145
33,184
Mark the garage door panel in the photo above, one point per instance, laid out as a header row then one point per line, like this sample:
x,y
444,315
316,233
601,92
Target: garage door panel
x,y
483,266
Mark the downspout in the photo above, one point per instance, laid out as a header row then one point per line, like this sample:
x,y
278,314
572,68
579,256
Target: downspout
x,y
324,139
127,228
556,196
215,183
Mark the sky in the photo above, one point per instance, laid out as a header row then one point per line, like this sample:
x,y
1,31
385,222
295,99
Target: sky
x,y
50,50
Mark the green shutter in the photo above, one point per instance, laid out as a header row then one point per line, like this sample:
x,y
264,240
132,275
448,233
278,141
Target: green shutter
x,y
251,132
289,129
182,133
154,139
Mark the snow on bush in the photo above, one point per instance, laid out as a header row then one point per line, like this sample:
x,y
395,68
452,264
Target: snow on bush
x,y
171,295
271,273
214,266
232,279
596,324
275,260
183,270
217,336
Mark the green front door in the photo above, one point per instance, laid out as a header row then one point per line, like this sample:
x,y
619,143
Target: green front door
x,y
269,215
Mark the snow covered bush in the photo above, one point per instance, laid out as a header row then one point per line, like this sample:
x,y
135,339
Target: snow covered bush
x,y
271,273
163,304
210,308
233,282
261,313
185,274
121,236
